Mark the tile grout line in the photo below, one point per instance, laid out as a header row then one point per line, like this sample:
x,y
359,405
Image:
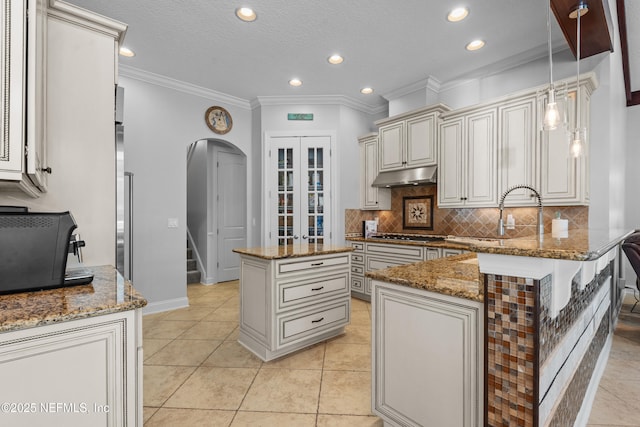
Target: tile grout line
x,y
196,367
324,357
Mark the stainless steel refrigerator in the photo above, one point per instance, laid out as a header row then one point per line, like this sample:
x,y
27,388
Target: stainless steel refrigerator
x,y
124,197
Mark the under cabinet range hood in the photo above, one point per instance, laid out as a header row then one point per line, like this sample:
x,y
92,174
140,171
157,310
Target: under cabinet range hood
x,y
403,177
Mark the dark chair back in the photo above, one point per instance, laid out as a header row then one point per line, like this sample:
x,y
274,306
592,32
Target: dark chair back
x,y
631,247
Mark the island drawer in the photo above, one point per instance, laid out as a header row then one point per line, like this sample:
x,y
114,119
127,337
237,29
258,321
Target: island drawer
x,y
379,263
311,264
304,324
304,292
357,246
413,252
357,258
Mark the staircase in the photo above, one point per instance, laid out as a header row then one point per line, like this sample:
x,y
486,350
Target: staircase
x,y
193,274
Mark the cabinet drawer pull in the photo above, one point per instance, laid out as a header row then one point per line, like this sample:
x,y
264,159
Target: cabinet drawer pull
x,y
318,289
315,264
318,321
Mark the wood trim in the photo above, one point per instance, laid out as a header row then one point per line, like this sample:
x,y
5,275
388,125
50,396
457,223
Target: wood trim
x,y
595,26
633,98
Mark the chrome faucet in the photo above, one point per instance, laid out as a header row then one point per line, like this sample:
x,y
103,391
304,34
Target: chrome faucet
x,y
501,207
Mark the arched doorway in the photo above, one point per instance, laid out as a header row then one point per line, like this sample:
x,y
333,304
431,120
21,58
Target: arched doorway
x,y
216,208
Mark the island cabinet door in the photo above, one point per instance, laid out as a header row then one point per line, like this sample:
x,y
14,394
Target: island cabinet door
x,y
427,358
77,373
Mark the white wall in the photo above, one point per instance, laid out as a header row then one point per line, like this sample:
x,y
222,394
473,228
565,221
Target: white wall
x,y
160,123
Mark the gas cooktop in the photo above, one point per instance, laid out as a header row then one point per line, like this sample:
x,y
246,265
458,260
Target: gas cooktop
x,y
408,237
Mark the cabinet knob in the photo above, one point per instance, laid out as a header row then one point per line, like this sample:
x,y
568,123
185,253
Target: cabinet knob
x,y
47,170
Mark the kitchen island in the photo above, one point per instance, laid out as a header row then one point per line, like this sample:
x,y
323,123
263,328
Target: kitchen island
x,y
72,356
292,297
549,309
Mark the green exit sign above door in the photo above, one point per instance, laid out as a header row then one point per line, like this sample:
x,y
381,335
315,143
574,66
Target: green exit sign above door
x,y
300,116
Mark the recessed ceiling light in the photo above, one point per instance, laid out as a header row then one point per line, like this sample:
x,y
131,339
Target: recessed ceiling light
x,y
475,45
246,14
335,59
125,51
457,14
295,82
366,90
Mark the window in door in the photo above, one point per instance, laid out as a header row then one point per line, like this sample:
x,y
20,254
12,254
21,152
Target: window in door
x,y
299,209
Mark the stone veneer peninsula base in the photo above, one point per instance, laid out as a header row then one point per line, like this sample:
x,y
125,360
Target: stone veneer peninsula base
x,y
292,297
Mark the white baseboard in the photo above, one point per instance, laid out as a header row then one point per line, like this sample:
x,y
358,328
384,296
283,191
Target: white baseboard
x,y
167,305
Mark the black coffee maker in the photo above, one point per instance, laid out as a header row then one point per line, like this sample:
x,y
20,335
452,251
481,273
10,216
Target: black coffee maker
x,y
34,247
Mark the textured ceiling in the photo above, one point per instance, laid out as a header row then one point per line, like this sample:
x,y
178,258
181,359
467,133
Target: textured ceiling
x,y
385,46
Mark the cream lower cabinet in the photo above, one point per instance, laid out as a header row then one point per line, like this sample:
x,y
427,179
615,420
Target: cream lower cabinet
x,y
379,256
357,269
427,365
288,304
84,372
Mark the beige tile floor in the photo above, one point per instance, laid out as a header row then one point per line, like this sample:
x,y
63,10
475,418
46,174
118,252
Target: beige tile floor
x,y
196,374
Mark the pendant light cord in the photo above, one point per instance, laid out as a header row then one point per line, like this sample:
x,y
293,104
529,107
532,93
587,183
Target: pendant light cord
x,y
550,47
580,6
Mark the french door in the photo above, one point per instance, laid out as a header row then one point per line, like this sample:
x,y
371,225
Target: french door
x,y
300,183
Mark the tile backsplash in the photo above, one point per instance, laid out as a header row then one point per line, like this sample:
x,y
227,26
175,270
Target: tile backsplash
x,y
482,222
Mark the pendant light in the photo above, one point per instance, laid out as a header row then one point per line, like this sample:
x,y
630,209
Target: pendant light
x,y
579,135
551,113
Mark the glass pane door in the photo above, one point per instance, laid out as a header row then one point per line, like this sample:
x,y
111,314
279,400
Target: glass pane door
x,y
315,195
285,196
299,190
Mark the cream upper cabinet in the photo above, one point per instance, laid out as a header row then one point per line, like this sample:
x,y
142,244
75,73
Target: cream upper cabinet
x,y
517,162
467,173
409,140
564,180
372,198
484,150
23,59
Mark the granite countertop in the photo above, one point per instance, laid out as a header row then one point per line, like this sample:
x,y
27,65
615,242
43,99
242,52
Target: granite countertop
x,y
458,276
433,244
580,245
108,293
292,251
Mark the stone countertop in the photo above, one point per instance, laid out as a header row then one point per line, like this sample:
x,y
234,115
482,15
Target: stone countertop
x,y
580,245
434,244
292,251
458,276
108,293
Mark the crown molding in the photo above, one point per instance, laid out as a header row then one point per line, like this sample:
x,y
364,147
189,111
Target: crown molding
x,y
430,83
188,88
70,13
318,100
